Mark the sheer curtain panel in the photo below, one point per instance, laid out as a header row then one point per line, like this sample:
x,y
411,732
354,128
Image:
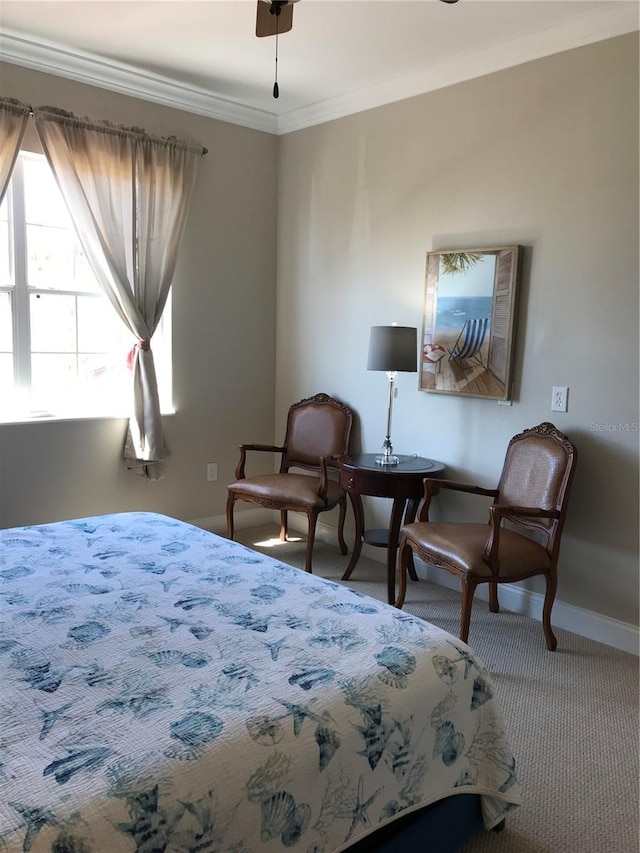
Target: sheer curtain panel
x,y
13,121
128,194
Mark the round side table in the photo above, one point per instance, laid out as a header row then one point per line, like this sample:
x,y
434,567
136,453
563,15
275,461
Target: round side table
x,y
362,475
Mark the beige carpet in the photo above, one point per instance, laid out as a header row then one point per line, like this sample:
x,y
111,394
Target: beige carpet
x,y
572,714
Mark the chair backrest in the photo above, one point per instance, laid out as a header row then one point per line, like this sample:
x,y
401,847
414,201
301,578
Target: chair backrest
x,y
317,426
538,472
473,334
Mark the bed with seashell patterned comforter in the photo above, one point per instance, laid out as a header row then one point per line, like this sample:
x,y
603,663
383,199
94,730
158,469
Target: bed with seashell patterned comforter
x,y
165,689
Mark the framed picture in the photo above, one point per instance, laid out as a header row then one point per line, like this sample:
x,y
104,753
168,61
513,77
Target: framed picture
x,y
468,323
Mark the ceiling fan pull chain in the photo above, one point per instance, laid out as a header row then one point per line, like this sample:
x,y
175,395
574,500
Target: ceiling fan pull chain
x,y
276,90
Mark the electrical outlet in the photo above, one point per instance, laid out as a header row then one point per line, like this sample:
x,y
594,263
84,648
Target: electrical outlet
x,y
559,397
212,471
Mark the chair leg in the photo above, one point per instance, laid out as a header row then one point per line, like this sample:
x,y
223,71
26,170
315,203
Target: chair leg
x,y
402,567
549,597
341,518
230,502
409,518
468,590
284,525
494,606
311,535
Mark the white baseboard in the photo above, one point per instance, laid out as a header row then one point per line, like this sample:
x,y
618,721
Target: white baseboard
x,y
242,520
513,597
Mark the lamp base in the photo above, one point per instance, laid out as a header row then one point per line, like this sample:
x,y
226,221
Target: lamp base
x,y
387,460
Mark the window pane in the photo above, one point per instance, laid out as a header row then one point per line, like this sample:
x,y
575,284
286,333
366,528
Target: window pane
x,y
50,258
56,261
55,258
43,201
53,322
105,379
6,375
53,378
100,329
64,384
6,330
83,276
5,267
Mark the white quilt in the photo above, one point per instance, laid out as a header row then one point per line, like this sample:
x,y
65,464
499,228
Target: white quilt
x,y
165,689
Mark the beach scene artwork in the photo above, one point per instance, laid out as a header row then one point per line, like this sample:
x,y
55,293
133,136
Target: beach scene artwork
x,y
468,321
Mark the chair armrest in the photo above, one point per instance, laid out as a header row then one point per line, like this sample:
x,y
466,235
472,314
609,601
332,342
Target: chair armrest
x,y
499,511
271,448
432,486
462,487
324,477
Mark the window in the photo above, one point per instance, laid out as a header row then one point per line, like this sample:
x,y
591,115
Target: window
x,y
63,348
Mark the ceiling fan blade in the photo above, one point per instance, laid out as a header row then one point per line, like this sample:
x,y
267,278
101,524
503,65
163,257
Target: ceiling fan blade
x,y
268,23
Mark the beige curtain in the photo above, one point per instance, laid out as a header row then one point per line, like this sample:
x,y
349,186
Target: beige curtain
x,y
13,121
128,194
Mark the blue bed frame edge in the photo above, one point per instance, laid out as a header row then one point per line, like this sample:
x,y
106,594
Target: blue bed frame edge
x,y
445,825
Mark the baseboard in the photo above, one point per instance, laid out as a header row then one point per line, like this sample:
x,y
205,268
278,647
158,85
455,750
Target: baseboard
x,y
513,597
242,520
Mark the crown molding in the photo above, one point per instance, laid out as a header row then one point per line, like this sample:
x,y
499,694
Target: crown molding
x,y
87,68
127,80
589,28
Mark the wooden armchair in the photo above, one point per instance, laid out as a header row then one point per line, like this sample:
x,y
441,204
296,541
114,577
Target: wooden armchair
x,y
532,495
317,435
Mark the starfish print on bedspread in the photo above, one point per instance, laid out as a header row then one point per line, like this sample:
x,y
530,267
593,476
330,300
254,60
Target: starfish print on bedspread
x,y
358,812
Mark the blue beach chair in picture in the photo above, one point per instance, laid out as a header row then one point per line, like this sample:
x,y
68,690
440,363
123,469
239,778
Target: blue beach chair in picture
x,y
470,341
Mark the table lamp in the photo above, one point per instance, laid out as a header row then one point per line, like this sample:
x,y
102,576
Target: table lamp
x,y
392,348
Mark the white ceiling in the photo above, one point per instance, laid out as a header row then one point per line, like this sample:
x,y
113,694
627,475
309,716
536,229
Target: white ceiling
x,y
340,57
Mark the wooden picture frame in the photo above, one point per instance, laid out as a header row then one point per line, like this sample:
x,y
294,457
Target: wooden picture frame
x,y
468,321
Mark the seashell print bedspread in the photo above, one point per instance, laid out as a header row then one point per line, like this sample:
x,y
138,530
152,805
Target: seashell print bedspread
x,y
165,689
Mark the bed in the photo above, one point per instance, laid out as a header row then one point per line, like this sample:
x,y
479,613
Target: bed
x,y
165,689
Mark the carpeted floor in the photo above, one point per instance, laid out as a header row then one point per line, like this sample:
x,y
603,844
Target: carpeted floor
x,y
572,714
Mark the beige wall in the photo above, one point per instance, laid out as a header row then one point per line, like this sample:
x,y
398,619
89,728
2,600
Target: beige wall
x,y
544,155
223,333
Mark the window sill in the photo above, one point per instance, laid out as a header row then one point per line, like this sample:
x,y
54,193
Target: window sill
x,y
20,420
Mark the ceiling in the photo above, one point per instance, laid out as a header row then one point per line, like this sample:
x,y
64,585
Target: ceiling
x,y
341,56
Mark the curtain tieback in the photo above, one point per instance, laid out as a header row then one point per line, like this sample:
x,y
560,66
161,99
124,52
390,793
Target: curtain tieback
x,y
139,345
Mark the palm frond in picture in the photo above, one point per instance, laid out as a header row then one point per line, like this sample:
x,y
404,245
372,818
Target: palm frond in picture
x,y
458,262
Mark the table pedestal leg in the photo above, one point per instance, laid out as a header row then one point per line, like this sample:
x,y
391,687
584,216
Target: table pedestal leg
x,y
392,547
358,512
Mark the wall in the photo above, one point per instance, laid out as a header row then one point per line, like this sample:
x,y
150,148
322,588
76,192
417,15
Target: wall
x,y
223,333
544,155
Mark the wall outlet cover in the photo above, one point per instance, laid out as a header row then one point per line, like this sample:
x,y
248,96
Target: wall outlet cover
x,y
559,398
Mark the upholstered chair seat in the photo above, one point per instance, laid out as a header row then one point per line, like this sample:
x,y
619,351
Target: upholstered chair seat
x,y
299,489
461,546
